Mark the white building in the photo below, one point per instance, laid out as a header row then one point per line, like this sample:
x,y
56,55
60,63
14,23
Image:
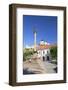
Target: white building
x,y
43,50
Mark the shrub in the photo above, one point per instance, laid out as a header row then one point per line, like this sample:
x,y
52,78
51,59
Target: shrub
x,y
27,54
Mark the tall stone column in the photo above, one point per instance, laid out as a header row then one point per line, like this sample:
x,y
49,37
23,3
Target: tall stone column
x,y
34,41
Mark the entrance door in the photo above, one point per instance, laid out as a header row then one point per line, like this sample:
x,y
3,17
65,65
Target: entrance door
x,y
47,58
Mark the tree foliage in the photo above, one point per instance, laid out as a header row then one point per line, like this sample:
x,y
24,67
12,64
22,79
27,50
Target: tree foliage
x,y
53,52
27,54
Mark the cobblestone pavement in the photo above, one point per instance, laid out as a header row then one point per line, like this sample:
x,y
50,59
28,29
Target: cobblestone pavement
x,y
38,66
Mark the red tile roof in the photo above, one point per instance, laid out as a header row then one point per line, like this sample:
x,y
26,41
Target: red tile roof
x,y
41,47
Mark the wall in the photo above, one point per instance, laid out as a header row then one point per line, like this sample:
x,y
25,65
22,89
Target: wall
x,y
4,44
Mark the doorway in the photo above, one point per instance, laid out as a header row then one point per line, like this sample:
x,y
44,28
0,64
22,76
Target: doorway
x,y
48,58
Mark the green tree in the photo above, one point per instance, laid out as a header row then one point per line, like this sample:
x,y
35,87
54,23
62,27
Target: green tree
x,y
53,52
27,54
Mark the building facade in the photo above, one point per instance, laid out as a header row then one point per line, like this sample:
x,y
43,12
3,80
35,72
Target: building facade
x,y
43,50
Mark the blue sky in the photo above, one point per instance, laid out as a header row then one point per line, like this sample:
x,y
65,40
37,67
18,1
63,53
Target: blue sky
x,y
45,26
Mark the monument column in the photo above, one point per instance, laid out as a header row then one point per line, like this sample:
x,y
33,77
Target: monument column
x,y
34,40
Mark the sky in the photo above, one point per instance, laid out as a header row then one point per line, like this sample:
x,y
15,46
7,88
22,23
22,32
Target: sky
x,y
45,26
